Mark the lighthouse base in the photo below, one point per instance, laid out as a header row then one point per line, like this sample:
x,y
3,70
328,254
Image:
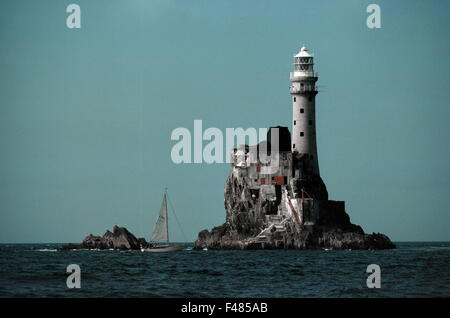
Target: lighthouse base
x,y
266,218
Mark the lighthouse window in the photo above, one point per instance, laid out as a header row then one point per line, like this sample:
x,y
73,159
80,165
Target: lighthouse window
x,y
295,122
294,99
310,122
293,146
302,110
302,134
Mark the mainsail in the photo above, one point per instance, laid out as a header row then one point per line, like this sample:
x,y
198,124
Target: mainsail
x,y
161,231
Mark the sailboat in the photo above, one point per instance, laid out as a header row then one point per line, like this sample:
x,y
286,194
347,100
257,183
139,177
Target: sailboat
x,y
161,232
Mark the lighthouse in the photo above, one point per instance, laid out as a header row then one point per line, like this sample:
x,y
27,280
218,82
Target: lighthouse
x,y
303,91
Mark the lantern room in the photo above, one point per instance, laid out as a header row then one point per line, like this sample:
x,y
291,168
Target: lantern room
x,y
304,62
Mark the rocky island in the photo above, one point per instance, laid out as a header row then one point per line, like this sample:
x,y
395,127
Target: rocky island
x,y
260,219
119,239
276,198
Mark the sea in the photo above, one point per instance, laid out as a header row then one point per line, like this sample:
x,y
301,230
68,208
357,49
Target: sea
x,y
414,269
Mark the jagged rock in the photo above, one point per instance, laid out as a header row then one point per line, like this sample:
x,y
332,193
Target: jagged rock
x,y
246,217
120,238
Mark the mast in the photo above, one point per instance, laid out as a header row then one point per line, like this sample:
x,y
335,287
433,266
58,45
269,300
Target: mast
x,y
167,214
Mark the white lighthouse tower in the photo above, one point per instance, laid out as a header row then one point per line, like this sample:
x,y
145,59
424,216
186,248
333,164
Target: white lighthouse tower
x,y
303,91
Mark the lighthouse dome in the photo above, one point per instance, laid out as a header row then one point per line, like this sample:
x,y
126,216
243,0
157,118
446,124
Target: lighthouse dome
x,y
303,53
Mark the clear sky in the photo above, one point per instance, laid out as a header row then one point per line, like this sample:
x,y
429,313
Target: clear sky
x,y
86,115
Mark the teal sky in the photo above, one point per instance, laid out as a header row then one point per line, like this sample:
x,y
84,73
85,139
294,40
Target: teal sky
x,y
86,115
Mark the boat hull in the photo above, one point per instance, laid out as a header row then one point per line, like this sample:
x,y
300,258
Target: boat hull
x,y
165,248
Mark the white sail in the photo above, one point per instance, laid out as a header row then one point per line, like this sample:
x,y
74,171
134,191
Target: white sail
x,y
161,231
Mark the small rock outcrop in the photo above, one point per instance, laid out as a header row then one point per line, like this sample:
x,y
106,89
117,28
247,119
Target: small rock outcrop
x,y
119,239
